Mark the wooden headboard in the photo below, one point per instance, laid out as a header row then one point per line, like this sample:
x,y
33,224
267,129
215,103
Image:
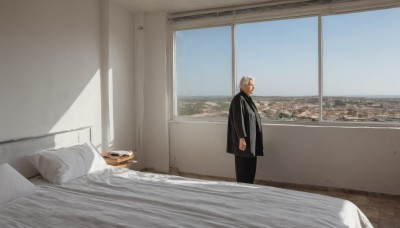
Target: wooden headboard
x,y
14,151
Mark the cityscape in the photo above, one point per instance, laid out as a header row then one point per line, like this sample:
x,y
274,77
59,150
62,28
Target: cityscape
x,y
306,108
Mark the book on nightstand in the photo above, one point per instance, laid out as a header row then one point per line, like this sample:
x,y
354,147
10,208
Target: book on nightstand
x,y
112,159
121,152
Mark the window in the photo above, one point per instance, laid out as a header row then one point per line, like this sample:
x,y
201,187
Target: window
x,y
359,57
282,56
361,67
204,72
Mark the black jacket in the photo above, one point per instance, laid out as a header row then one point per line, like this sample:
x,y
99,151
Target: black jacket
x,y
244,122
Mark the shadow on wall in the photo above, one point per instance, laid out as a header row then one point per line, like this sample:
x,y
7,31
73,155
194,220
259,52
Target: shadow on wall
x,y
50,61
49,67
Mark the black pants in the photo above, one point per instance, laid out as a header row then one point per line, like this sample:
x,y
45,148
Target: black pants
x,y
245,169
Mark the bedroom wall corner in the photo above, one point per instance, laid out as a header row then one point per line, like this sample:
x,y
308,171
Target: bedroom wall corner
x,y
138,87
120,79
155,121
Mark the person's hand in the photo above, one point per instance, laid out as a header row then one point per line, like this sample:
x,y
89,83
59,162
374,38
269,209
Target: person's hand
x,y
242,144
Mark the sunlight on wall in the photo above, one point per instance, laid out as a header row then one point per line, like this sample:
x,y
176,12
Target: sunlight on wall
x,y
110,109
84,111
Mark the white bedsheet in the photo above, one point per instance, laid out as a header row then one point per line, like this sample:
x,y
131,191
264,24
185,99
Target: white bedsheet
x,y
125,198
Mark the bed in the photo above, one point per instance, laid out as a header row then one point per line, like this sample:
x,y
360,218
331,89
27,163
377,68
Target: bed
x,y
118,197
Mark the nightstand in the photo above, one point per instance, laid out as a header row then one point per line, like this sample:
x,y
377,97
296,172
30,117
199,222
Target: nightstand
x,y
118,161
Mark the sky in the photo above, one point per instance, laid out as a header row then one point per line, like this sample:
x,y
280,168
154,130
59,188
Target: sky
x,y
361,56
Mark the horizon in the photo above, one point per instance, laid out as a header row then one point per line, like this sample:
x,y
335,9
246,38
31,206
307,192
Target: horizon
x,y
355,96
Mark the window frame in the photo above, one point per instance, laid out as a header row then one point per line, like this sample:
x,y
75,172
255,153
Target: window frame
x,y
171,66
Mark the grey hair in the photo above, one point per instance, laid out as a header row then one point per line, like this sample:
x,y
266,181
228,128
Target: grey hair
x,y
245,81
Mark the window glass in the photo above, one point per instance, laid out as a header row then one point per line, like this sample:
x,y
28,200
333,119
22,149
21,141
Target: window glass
x,y
282,56
361,77
203,72
361,66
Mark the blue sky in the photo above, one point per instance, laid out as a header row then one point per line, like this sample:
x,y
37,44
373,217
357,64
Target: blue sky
x,y
361,56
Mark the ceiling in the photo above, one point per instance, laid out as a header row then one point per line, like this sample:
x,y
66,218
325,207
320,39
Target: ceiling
x,y
178,6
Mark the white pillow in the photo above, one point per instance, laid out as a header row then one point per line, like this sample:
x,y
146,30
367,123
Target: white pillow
x,y
13,185
64,164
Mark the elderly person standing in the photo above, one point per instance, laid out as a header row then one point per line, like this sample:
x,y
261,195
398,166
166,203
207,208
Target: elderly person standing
x,y
245,132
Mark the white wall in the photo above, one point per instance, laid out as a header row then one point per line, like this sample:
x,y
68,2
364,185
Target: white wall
x,y
364,159
155,122
52,61
121,78
49,67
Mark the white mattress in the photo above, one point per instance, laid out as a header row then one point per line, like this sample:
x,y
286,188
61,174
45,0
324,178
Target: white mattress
x,y
125,198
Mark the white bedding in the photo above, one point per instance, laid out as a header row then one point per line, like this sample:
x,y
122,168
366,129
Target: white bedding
x,y
125,198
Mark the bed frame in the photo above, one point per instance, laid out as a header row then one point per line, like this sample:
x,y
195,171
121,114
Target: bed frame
x,y
14,151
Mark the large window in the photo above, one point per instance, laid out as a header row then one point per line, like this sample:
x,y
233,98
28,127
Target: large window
x,y
283,58
348,64
361,67
203,72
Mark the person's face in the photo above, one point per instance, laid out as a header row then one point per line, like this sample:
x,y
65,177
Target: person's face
x,y
249,88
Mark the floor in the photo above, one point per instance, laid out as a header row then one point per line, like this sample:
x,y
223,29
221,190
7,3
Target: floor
x,y
382,210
